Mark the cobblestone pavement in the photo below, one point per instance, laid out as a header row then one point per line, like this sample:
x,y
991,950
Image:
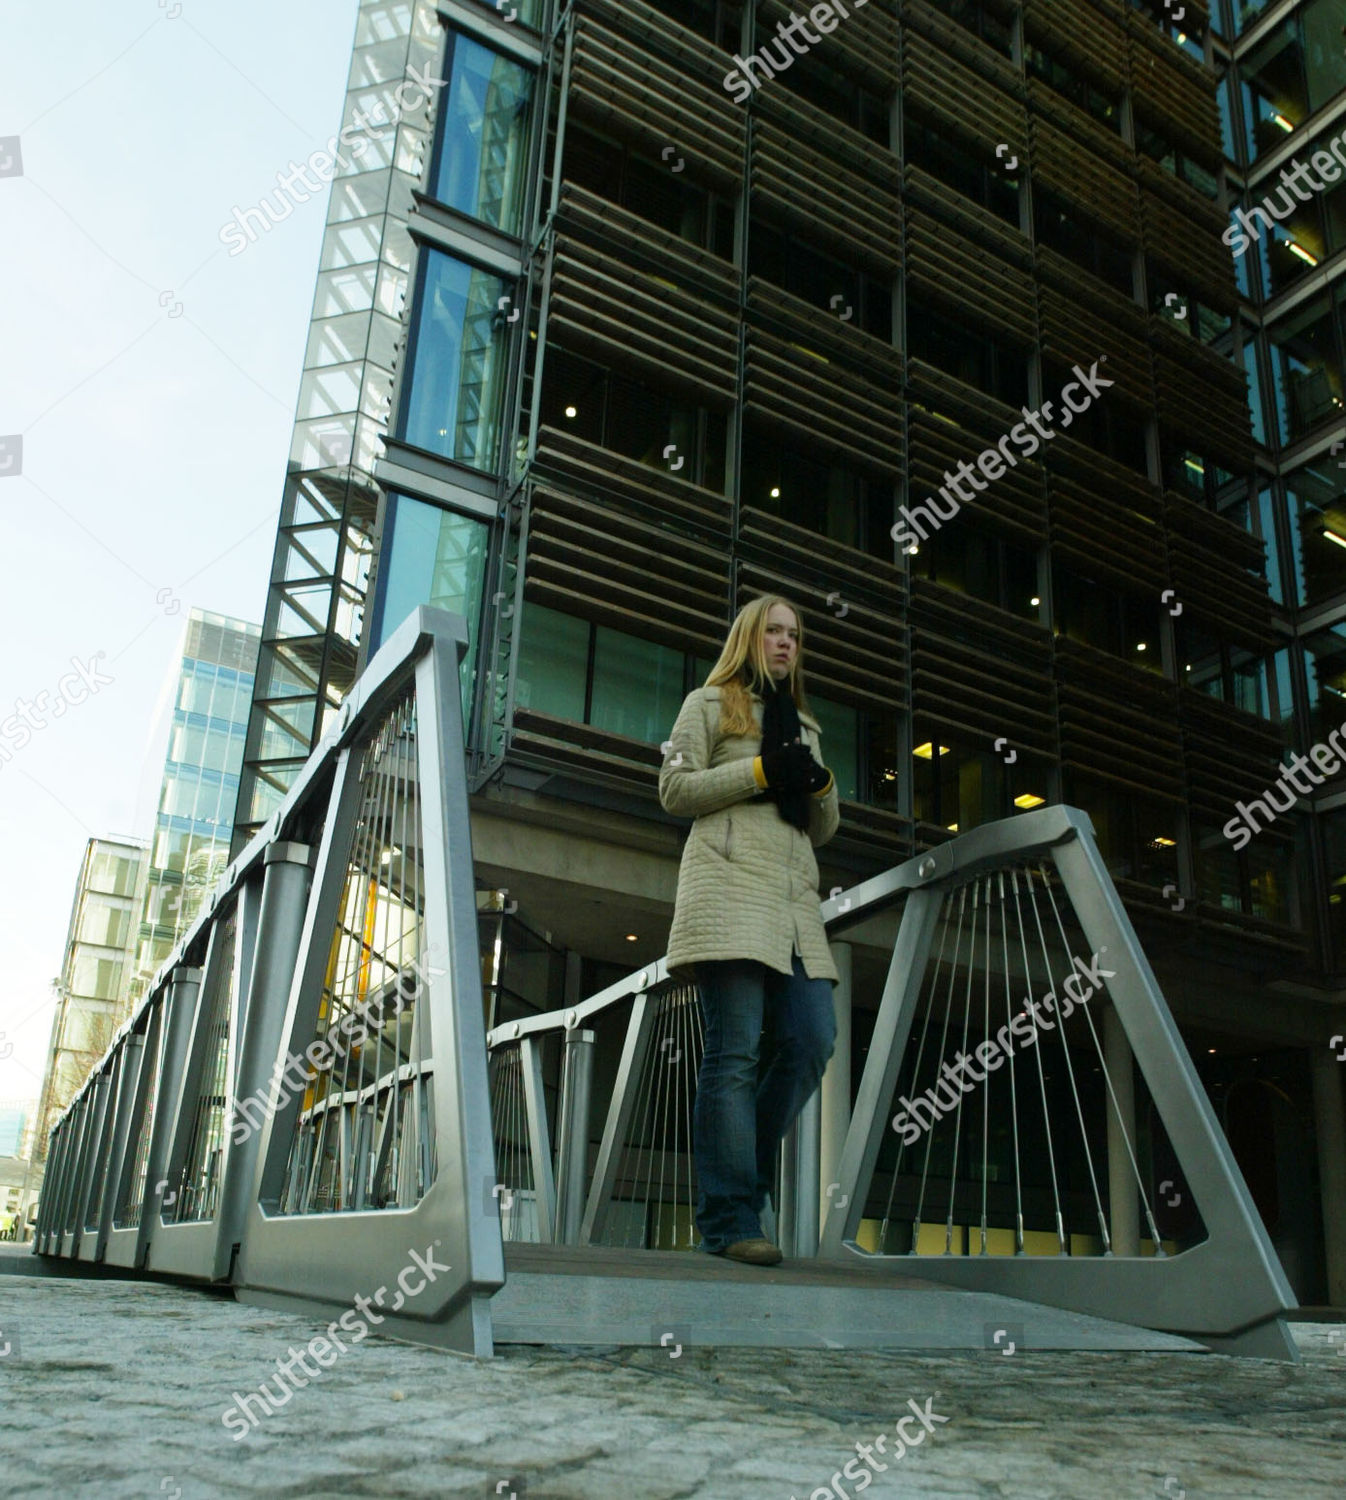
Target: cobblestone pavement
x,y
117,1389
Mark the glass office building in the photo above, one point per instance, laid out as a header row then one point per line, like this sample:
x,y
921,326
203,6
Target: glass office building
x,y
683,326
193,825
99,956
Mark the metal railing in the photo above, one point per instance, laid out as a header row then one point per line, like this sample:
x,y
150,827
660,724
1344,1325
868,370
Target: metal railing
x,y
307,1091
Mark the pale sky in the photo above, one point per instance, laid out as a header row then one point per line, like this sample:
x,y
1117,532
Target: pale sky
x,y
153,380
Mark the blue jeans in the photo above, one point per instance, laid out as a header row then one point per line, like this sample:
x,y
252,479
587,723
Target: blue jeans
x,y
742,1109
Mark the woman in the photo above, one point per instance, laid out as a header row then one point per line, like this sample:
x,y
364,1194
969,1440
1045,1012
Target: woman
x,y
746,924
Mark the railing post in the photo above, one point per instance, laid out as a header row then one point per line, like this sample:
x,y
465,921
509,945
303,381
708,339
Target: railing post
x,y
572,1134
280,925
797,1219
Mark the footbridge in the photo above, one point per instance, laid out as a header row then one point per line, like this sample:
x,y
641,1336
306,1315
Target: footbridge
x,y
308,1094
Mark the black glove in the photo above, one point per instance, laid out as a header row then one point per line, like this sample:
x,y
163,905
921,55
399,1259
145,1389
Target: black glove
x,y
787,767
819,776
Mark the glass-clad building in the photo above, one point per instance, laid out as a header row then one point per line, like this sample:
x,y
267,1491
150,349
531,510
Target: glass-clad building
x,y
683,325
193,825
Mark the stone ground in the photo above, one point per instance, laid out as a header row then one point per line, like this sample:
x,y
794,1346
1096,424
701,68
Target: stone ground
x,y
117,1389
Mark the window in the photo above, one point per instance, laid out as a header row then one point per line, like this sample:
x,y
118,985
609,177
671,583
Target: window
x,y
966,172
834,92
1325,671
957,785
977,562
1291,74
481,157
788,262
452,402
553,668
437,557
981,19
1175,163
623,175
637,686
623,413
719,21
1059,226
1124,625
1306,367
1137,837
1316,496
968,351
820,492
1071,85
841,733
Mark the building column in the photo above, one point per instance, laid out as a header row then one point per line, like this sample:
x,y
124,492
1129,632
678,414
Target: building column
x,y
836,1085
1123,1197
1329,1128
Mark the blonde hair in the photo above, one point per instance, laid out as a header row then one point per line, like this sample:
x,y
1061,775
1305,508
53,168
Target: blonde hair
x,y
742,664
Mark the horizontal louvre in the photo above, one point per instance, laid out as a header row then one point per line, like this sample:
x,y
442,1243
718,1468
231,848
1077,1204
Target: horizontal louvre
x,y
1109,529
857,217
636,321
952,269
863,45
1210,559
1230,755
1078,333
935,85
1172,93
628,482
1071,32
1118,723
789,386
610,558
862,654
969,218
1014,503
641,97
1182,232
637,242
935,390
980,671
1202,395
820,132
849,578
840,340
1068,164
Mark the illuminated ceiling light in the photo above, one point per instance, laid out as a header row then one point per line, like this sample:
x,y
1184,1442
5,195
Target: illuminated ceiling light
x,y
571,412
927,751
630,937
953,827
1028,799
775,492
1163,843
1287,127
1140,646
1194,466
1333,537
1035,601
1188,667
1302,253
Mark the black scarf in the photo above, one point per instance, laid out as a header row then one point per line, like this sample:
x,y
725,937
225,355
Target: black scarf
x,y
780,727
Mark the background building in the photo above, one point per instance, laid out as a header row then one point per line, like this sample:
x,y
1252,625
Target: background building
x,y
99,953
195,819
663,350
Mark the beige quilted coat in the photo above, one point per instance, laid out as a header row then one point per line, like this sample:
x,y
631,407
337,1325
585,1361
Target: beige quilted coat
x,y
748,883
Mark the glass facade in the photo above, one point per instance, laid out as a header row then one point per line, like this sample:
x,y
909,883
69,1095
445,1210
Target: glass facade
x,y
194,824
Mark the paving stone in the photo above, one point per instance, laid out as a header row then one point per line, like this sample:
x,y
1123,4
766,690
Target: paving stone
x,y
117,1390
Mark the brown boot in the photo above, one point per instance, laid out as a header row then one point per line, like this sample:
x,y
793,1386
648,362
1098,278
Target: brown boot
x,y
758,1252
